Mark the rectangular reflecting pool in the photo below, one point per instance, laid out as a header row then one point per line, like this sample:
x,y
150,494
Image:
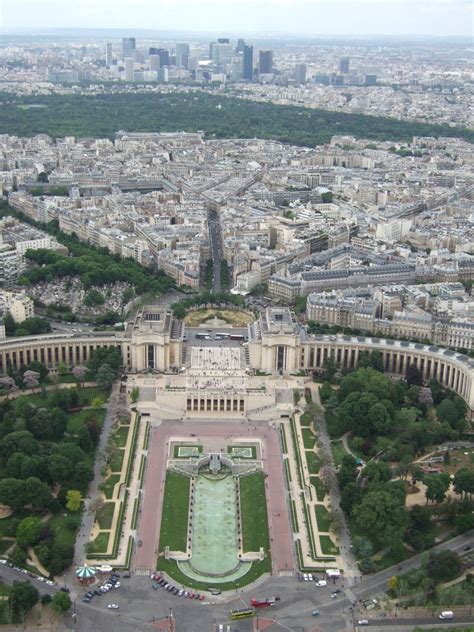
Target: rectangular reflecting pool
x,y
214,530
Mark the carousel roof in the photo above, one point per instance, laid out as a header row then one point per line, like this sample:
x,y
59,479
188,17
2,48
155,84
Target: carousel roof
x,y
85,572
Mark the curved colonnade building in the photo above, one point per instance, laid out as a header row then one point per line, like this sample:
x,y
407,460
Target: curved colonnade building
x,y
276,344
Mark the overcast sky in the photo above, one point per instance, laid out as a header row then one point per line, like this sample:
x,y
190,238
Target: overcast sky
x,y
305,17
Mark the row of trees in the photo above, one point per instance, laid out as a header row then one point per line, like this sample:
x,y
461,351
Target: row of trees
x,y
198,111
225,279
95,266
29,327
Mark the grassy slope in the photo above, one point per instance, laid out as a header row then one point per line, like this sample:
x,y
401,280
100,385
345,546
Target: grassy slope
x,y
174,520
253,507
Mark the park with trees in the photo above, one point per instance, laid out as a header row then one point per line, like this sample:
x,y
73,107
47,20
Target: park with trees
x,y
48,442
219,116
388,426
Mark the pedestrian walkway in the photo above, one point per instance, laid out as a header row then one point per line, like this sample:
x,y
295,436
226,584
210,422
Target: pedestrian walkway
x,y
127,492
347,560
313,551
350,595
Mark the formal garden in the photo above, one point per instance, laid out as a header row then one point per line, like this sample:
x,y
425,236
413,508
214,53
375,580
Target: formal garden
x,y
114,500
174,530
307,480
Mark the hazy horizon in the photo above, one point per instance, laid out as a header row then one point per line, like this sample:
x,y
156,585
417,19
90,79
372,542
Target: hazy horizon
x,y
404,18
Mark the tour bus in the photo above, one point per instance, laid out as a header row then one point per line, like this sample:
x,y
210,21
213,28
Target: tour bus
x,y
264,603
203,337
236,337
242,613
222,336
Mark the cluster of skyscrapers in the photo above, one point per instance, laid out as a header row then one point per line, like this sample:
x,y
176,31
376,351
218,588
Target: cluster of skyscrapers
x,y
237,62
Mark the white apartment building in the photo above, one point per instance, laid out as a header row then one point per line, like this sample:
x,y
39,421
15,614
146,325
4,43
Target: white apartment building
x,y
18,304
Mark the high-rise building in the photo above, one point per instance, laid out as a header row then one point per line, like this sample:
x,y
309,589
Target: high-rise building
x,y
163,75
370,80
154,62
300,74
164,57
129,47
240,46
182,55
247,69
344,65
236,68
129,75
223,40
108,55
265,62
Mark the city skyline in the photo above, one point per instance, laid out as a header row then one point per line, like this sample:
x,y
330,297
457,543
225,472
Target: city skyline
x,y
299,17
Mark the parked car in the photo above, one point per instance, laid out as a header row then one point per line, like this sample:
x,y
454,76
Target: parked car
x,y
113,606
155,586
363,622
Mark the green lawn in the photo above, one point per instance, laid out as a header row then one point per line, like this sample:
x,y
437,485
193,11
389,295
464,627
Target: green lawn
x,y
327,545
8,525
116,461
338,452
306,419
323,517
120,436
5,590
308,438
105,515
253,507
319,487
174,518
65,527
109,484
77,420
389,558
86,395
99,545
314,464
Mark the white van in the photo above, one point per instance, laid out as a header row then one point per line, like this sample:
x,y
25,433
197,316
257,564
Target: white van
x,y
446,614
